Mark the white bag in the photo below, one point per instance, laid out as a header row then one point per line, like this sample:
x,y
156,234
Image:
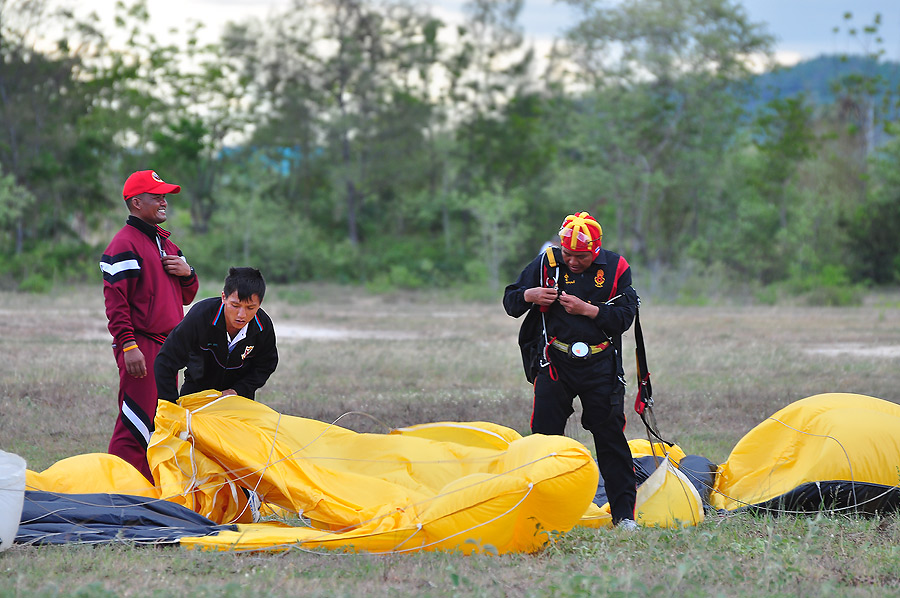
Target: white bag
x,y
12,496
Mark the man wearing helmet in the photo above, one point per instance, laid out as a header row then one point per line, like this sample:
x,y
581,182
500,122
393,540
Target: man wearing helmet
x,y
579,301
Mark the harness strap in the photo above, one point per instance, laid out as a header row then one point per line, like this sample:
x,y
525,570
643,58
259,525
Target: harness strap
x,y
547,281
564,347
551,259
643,403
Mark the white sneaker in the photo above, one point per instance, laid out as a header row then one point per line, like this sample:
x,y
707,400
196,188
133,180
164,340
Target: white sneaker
x,y
628,525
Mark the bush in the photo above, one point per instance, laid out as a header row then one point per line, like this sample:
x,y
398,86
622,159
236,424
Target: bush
x,y
36,283
285,250
45,264
828,287
409,263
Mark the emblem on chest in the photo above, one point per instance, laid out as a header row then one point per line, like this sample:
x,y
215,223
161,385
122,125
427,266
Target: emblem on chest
x,y
599,279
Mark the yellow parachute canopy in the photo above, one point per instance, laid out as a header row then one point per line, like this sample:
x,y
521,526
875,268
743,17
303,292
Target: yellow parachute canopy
x,y
824,451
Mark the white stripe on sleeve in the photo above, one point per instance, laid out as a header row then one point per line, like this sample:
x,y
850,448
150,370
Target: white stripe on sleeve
x,y
113,269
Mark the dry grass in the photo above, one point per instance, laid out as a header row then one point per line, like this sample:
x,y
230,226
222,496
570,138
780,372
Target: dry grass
x,y
377,362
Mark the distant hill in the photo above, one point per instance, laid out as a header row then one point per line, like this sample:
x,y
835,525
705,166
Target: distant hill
x,y
815,77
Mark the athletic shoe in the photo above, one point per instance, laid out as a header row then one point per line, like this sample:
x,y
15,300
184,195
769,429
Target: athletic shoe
x,y
628,525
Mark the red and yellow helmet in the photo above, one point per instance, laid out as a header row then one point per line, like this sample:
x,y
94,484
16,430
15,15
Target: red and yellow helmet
x,y
580,232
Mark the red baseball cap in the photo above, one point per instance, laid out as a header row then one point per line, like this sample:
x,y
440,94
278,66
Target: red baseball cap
x,y
146,181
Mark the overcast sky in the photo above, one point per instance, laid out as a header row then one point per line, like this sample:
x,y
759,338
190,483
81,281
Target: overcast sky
x,y
803,28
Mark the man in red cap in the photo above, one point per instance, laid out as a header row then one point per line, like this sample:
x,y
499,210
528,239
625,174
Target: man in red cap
x,y
579,301
146,284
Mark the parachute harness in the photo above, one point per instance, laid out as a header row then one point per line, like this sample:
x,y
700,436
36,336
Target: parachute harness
x,y
548,282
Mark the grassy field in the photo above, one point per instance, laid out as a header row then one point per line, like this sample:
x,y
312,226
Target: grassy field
x,y
375,362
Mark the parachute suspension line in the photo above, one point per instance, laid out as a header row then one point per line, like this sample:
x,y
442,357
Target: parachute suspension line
x,y
259,473
429,499
384,424
854,508
328,427
681,482
188,424
192,479
397,546
418,527
230,483
643,403
270,462
325,535
843,449
474,527
836,510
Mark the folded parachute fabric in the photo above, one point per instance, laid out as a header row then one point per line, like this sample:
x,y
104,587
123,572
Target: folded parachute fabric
x,y
829,452
49,518
461,486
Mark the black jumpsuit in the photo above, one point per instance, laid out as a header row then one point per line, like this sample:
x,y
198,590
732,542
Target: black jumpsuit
x,y
597,380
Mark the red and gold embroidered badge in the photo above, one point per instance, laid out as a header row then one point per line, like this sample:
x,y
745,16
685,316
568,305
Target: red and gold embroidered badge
x,y
599,279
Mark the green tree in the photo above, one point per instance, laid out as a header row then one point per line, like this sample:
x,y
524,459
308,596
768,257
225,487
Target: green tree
x,y
46,144
761,228
666,81
330,71
15,201
865,104
874,227
502,151
785,138
168,105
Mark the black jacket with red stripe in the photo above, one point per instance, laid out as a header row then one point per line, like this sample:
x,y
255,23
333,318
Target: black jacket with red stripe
x,y
606,283
140,296
200,344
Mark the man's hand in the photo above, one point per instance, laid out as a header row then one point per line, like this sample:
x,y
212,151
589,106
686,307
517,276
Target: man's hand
x,y
228,392
576,306
175,265
541,295
135,364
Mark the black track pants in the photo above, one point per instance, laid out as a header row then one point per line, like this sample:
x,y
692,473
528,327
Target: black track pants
x,y
595,382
